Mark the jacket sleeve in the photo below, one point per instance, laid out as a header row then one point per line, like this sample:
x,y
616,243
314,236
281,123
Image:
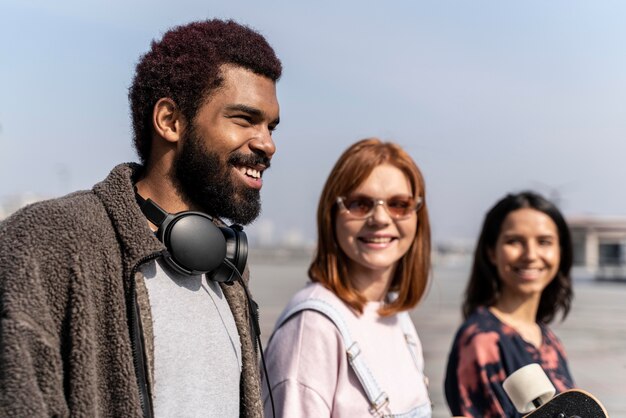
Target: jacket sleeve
x,y
474,377
31,371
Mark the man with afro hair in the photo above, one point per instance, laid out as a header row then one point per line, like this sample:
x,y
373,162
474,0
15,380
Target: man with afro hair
x,y
102,315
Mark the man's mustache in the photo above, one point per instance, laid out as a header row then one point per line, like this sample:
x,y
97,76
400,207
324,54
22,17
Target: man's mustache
x,y
249,159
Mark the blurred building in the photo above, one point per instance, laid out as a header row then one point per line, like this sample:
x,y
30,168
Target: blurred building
x,y
599,247
453,252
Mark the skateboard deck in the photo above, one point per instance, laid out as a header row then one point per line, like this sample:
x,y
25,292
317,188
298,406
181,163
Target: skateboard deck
x,y
569,404
532,393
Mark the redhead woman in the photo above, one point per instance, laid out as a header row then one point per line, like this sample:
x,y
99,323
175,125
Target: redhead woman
x,y
345,346
519,282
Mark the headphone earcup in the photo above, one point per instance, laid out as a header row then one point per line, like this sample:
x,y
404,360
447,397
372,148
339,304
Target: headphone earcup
x,y
196,245
236,253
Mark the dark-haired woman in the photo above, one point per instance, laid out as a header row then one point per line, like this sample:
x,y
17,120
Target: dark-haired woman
x,y
345,345
520,280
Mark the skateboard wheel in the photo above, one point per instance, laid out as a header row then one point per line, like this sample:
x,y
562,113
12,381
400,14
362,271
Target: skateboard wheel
x,y
528,388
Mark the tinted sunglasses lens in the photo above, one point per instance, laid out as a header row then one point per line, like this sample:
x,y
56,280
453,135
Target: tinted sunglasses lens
x,y
400,206
359,206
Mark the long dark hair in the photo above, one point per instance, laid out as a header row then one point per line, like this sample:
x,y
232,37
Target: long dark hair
x,y
484,284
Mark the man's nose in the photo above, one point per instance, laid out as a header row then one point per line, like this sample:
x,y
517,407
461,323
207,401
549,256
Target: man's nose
x,y
264,143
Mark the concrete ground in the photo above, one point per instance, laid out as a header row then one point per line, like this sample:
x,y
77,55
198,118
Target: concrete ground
x,y
594,333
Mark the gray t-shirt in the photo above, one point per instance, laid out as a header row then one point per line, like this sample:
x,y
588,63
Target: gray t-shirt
x,y
197,351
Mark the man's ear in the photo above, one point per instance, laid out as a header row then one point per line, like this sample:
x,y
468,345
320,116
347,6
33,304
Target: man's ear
x,y
167,120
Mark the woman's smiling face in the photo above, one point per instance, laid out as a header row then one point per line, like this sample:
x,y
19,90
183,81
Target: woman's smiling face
x,y
377,242
527,252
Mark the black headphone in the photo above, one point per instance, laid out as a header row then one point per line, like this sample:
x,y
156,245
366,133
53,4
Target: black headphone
x,y
196,245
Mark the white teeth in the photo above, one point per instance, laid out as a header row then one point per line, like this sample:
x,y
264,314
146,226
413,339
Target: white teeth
x,y
252,172
527,270
377,240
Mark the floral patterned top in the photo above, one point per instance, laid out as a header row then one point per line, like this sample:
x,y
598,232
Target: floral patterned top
x,y
484,353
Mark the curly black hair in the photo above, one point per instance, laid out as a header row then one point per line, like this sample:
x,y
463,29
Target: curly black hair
x,y
185,67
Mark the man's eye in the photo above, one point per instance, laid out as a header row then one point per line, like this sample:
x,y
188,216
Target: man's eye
x,y
245,118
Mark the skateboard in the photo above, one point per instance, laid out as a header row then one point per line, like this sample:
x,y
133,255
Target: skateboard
x,y
571,403
532,393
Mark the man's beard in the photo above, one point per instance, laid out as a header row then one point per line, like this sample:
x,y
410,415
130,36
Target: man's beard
x,y
207,182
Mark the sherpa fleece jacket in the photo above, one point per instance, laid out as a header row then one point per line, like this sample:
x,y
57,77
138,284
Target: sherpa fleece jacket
x,y
67,268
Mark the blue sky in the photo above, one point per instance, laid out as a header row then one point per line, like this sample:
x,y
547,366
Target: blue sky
x,y
487,96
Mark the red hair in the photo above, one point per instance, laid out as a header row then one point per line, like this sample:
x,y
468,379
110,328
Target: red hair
x,y
329,265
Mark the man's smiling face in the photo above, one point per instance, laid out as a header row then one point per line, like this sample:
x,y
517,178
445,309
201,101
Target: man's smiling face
x,y
228,146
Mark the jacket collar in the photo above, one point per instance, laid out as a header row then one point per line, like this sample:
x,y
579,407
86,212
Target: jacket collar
x,y
117,194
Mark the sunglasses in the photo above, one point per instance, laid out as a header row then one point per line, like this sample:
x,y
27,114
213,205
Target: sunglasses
x,y
361,207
